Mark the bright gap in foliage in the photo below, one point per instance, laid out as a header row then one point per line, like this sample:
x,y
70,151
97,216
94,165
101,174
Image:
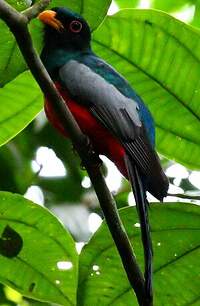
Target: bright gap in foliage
x,y
94,222
177,171
186,14
35,194
79,246
144,4
48,164
131,199
86,183
113,177
194,179
64,265
113,8
174,190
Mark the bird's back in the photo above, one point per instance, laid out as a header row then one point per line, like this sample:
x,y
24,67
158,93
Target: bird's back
x,y
113,77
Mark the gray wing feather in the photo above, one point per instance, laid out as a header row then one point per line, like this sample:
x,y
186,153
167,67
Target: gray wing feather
x,y
88,87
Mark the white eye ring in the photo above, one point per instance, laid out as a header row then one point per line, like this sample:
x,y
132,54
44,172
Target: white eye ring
x,y
75,26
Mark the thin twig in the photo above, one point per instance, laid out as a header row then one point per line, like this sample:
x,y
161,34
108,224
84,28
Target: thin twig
x,y
18,25
35,9
184,196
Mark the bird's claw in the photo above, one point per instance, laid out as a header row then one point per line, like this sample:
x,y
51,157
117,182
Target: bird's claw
x,y
93,157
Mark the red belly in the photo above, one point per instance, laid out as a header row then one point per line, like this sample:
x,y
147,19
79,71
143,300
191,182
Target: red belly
x,y
103,142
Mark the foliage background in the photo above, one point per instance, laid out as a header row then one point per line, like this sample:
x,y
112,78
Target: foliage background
x,y
37,162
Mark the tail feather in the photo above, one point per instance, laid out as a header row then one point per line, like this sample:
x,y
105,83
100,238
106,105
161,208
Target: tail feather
x,y
142,208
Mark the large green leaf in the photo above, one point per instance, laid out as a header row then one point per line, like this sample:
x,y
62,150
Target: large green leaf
x,y
175,233
37,255
160,56
171,5
127,3
21,101
11,61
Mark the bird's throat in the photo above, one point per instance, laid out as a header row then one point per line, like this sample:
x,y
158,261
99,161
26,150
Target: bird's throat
x,y
53,59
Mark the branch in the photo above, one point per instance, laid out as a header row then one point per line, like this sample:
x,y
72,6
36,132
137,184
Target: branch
x,y
35,9
183,196
17,23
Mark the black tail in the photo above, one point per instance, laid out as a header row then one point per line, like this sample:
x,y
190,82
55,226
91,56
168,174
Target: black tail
x,y
142,208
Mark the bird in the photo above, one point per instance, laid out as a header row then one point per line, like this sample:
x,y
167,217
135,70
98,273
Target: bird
x,y
107,109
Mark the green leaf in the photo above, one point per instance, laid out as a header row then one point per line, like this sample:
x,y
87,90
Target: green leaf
x,y
160,57
175,232
10,169
38,257
127,3
170,5
3,298
196,20
93,11
19,5
11,61
21,101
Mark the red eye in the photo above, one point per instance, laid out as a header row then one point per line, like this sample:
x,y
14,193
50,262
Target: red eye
x,y
75,26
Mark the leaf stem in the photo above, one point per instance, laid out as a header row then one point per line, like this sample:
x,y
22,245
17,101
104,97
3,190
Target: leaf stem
x,y
18,24
183,196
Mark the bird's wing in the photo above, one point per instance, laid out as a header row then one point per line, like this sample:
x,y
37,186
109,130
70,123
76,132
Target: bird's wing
x,y
119,114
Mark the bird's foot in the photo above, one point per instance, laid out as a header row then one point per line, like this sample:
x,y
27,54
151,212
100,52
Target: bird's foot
x,y
93,157
95,162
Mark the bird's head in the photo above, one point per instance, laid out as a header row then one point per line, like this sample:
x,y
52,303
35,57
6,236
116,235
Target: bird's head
x,y
65,29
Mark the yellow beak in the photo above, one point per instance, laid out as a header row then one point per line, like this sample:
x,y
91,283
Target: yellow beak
x,y
48,17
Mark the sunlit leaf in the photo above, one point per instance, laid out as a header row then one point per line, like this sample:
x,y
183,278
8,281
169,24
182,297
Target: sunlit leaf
x,y
170,5
37,255
127,3
160,57
93,11
175,232
196,20
11,62
3,298
21,101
